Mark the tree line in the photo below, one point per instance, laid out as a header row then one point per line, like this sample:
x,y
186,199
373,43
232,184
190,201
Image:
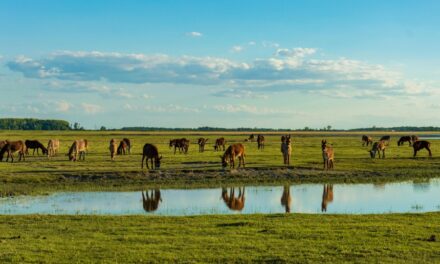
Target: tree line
x,y
33,124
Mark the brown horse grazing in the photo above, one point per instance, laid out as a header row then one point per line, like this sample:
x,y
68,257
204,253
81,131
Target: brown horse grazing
x,y
52,147
113,148
78,148
122,148
260,142
150,152
182,144
328,155
327,196
377,148
128,144
286,149
414,138
35,145
220,142
385,139
202,142
366,140
11,147
232,202
286,199
422,144
403,140
150,202
233,151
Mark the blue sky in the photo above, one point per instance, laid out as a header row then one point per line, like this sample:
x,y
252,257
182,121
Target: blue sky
x,y
280,64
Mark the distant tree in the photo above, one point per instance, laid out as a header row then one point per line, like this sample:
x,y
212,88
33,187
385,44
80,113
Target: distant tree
x,y
103,128
329,127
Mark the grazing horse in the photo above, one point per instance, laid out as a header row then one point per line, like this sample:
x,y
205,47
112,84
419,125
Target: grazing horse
x,y
251,137
232,152
182,144
366,140
52,147
11,147
150,202
202,142
414,138
150,152
286,149
422,144
128,144
286,199
327,196
232,202
377,148
219,142
385,139
260,142
123,148
328,155
35,145
403,140
78,148
113,148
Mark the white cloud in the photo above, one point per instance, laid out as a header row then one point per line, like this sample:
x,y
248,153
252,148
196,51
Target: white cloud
x,y
251,109
147,96
194,34
91,108
295,52
237,49
63,106
171,108
240,94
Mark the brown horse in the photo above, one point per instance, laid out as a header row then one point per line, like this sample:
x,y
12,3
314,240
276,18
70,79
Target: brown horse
x,y
286,199
35,145
367,140
150,202
128,145
422,144
377,148
327,196
12,147
150,152
122,148
52,147
113,148
202,142
328,155
182,144
219,142
78,148
404,139
386,139
232,152
260,142
251,137
232,202
286,149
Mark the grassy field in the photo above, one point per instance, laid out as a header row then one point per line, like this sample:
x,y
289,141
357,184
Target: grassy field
x,y
353,164
240,238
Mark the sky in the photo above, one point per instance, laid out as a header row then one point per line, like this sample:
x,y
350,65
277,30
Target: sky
x,y
267,64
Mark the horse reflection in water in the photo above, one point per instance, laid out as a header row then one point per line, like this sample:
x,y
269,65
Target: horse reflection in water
x,y
231,201
150,201
327,196
286,199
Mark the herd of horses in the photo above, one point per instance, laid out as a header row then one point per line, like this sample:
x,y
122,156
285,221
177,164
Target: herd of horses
x,y
152,159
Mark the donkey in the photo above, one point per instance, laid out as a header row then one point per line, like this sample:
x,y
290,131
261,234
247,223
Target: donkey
x,y
260,142
52,147
422,144
233,151
122,148
328,155
286,149
385,139
113,148
202,142
35,145
150,152
219,142
367,140
377,148
327,196
78,150
11,147
404,139
232,202
286,198
150,202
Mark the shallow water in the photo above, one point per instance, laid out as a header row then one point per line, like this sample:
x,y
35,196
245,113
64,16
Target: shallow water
x,y
304,198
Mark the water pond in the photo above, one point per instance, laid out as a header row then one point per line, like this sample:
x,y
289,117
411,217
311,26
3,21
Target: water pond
x,y
302,198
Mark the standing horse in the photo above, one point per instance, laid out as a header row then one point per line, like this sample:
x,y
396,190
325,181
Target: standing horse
x,y
422,144
202,142
260,142
219,142
113,148
12,147
386,139
286,149
52,147
78,148
123,148
150,152
182,144
367,140
35,145
377,148
232,202
128,144
233,151
328,155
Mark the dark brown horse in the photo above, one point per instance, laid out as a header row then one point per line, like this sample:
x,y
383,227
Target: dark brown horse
x,y
233,202
202,142
260,142
328,155
219,142
367,140
12,147
128,144
182,144
422,144
286,199
123,148
404,139
150,201
327,196
150,152
232,152
35,145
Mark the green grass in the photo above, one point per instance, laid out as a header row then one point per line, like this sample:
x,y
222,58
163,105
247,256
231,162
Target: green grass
x,y
240,238
98,172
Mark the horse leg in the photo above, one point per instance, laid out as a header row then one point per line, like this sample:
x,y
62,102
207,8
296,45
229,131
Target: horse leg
x,y
415,153
429,150
142,162
146,162
383,154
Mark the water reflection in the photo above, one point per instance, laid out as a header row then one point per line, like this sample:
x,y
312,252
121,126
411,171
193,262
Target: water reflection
x,y
150,201
232,202
286,199
327,196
